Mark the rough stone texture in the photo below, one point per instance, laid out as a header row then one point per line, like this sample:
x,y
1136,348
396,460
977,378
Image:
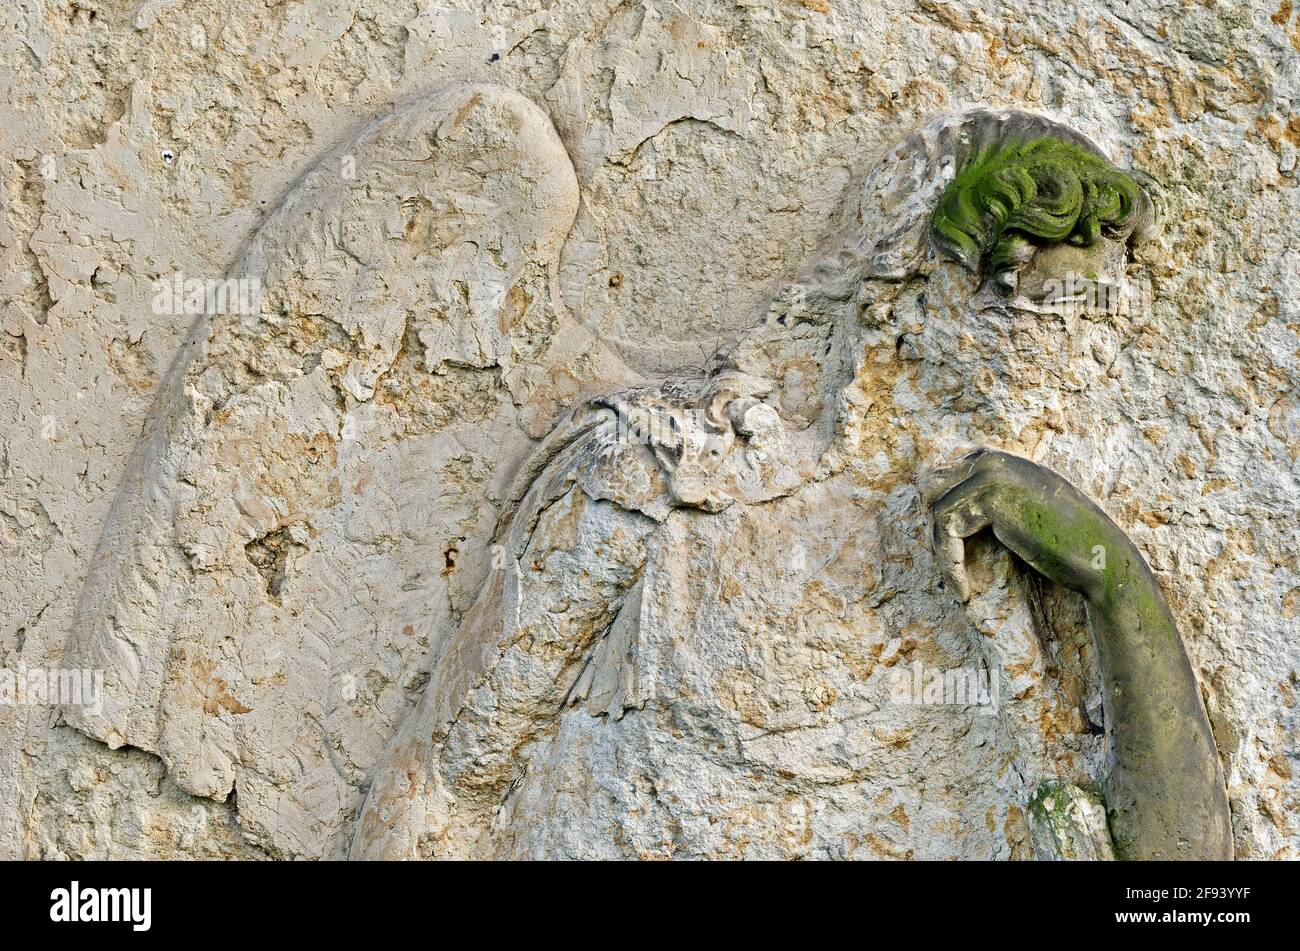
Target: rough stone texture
x,y
1069,823
699,665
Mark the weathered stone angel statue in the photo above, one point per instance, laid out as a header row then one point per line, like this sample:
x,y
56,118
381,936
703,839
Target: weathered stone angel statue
x,y
417,567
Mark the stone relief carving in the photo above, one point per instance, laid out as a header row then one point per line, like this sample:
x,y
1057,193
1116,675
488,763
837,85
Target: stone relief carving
x,y
411,345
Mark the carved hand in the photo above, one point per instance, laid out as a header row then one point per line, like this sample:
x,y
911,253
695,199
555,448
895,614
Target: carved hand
x,y
1165,791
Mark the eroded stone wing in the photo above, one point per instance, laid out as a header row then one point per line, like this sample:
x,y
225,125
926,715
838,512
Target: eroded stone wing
x,y
311,507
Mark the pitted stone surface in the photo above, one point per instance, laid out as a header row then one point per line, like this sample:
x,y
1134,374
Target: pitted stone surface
x,y
486,236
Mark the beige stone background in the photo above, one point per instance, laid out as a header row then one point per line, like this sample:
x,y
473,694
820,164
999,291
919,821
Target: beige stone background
x,y
711,140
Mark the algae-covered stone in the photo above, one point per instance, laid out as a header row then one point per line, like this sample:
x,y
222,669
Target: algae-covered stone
x,y
1068,823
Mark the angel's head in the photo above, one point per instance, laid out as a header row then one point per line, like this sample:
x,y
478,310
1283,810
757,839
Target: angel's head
x,y
993,246
1027,300
990,248
1033,198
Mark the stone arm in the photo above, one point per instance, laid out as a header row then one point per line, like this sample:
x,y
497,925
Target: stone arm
x,y
1165,792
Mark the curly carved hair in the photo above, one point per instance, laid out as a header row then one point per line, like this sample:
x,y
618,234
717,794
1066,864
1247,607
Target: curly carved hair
x,y
1018,194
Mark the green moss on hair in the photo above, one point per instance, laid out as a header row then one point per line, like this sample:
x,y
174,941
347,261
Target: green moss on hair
x,y
1016,196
